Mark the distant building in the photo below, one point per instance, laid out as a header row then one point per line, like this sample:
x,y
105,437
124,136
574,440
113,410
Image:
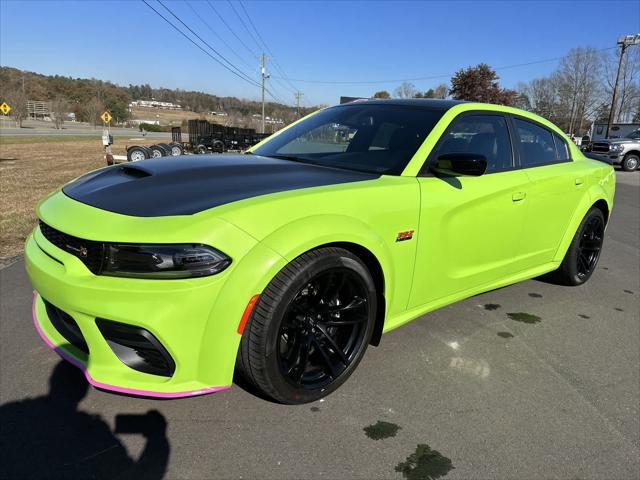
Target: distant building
x,y
351,99
155,104
38,108
140,121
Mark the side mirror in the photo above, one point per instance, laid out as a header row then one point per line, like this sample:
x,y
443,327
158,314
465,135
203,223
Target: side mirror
x,y
472,164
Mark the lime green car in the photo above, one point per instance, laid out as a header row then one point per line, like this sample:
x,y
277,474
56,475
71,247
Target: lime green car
x,y
165,277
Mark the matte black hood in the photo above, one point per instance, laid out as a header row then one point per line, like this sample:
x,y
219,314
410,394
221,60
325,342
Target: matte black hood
x,y
192,183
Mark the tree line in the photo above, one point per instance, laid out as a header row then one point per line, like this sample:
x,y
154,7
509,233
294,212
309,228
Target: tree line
x,y
577,93
88,98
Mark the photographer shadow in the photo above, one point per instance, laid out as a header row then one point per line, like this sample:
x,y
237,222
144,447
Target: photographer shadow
x,y
49,437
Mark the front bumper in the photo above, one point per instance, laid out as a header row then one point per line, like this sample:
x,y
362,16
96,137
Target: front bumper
x,y
80,361
195,320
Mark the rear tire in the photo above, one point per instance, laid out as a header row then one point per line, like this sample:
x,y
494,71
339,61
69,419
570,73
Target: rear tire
x,y
176,149
166,147
310,327
583,254
218,146
201,149
135,154
630,163
157,151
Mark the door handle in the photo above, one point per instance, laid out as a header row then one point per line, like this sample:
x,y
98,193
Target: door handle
x,y
518,196
579,181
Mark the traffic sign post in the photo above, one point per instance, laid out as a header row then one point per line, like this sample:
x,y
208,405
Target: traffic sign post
x,y
5,109
106,117
107,139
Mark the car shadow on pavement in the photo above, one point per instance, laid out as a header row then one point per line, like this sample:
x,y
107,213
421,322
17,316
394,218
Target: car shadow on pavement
x,y
49,437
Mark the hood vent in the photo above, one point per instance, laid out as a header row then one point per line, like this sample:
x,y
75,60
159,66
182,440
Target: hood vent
x,y
135,171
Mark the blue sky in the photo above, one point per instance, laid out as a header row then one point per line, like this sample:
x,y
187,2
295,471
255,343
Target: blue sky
x,y
126,42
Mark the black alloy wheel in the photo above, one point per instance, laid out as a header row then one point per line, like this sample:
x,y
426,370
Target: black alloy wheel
x,y
310,327
323,328
590,246
583,253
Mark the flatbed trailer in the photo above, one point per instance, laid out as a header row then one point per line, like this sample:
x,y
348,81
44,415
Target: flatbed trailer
x,y
204,137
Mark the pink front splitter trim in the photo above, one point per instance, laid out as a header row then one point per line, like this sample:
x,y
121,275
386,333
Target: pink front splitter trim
x,y
131,391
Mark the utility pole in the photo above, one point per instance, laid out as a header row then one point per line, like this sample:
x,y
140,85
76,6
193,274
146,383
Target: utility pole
x,y
624,42
263,73
298,94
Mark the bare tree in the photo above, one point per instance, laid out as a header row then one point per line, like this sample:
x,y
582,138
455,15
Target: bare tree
x,y
59,111
17,100
441,91
629,85
578,86
405,90
92,111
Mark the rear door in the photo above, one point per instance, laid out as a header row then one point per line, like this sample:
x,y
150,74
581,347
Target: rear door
x,y
555,190
470,227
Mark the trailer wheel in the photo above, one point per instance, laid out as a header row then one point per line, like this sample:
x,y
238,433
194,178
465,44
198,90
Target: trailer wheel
x,y
176,149
166,147
157,151
135,154
218,146
201,149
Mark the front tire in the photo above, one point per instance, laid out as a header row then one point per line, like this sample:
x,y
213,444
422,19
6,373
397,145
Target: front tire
x,y
583,254
630,163
310,327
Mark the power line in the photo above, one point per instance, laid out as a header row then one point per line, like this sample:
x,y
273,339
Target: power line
x,y
431,77
239,75
253,54
205,42
273,57
244,24
208,25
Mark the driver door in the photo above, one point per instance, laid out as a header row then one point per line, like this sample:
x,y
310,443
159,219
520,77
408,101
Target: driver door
x,y
470,227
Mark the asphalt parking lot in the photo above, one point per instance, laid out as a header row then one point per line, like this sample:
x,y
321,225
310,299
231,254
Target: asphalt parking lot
x,y
529,381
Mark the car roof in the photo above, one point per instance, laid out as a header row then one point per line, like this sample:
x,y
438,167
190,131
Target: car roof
x,y
430,103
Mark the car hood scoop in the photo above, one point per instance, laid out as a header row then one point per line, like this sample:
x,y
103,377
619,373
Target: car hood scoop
x,y
189,184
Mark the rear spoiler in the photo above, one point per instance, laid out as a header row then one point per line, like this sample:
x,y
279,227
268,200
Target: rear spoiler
x,y
600,158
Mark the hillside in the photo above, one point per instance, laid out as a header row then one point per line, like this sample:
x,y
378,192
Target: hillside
x,y
87,98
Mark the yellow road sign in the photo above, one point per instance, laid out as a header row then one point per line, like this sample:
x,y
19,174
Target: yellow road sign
x,y
5,108
106,117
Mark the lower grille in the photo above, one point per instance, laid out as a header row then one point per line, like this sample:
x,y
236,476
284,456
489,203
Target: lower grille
x,y
66,326
91,253
137,348
597,147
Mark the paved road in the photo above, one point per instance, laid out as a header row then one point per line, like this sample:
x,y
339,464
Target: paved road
x,y
472,393
89,132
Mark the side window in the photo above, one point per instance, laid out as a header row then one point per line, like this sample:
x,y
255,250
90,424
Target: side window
x,y
487,135
536,144
562,150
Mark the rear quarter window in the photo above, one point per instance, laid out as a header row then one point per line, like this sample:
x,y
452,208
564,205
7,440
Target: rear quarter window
x,y
537,146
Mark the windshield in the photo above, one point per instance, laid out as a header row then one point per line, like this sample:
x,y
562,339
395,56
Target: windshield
x,y
368,138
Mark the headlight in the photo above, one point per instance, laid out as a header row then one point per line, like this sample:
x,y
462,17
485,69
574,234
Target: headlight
x,y
162,261
617,148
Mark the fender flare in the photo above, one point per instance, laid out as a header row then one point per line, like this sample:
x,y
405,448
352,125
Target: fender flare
x,y
595,194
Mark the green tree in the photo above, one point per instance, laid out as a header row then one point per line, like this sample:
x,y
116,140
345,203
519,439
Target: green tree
x,y
382,94
480,84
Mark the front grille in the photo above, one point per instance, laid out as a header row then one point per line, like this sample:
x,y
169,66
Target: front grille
x,y
137,348
66,326
91,253
600,147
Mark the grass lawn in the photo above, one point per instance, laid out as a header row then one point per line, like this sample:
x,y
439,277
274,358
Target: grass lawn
x,y
31,169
